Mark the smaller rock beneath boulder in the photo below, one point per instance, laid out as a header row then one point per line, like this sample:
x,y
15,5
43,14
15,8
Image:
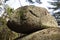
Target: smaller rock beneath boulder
x,y
45,34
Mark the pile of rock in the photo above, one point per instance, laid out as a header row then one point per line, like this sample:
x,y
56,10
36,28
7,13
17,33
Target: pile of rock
x,y
35,22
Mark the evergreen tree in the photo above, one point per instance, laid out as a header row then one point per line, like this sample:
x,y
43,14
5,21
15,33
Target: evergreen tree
x,y
1,7
38,1
56,14
31,1
6,0
55,3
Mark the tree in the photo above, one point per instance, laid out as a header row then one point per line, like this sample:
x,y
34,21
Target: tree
x,y
2,5
31,1
20,2
38,1
56,3
5,1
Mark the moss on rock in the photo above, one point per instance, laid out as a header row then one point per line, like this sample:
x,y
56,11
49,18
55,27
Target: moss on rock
x,y
5,32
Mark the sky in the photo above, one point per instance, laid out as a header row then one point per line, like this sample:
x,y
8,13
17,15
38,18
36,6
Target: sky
x,y
18,3
15,3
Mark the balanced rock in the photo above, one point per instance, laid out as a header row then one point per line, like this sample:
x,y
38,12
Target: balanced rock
x,y
29,19
45,34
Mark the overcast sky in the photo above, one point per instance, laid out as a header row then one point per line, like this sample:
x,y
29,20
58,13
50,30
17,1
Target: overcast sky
x,y
15,4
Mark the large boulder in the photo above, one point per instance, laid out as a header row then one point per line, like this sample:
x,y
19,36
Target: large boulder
x,y
45,34
29,19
